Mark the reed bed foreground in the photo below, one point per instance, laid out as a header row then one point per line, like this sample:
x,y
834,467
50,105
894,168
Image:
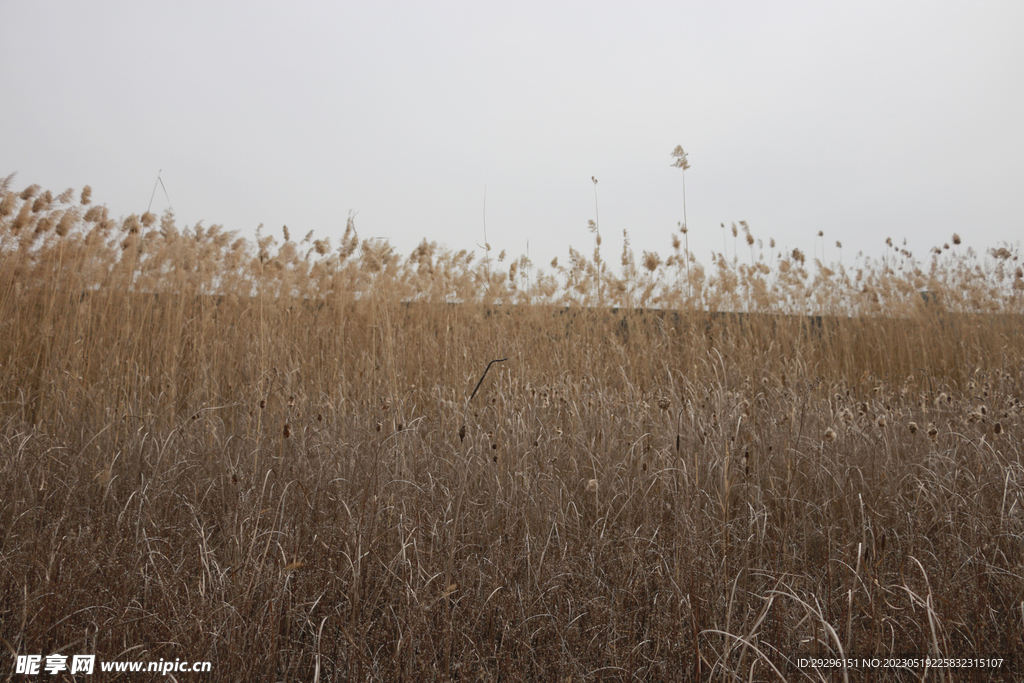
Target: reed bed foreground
x,y
265,455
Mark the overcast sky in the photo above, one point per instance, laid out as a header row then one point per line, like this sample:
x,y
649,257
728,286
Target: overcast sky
x,y
865,120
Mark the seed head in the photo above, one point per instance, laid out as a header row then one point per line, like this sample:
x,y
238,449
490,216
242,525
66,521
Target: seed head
x,y
680,158
7,204
830,435
592,486
67,221
664,403
651,261
42,202
44,225
287,430
912,427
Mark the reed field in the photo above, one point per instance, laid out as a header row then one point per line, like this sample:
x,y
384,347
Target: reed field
x,y
284,456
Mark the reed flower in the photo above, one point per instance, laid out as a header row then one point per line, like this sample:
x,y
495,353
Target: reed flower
x,y
67,222
7,204
42,202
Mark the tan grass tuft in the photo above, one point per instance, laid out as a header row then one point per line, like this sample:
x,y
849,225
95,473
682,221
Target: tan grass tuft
x,y
42,202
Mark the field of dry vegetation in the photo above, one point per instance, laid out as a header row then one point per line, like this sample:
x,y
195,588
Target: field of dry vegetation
x,y
268,455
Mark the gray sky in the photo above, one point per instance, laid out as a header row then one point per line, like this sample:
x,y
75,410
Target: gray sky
x,y
865,120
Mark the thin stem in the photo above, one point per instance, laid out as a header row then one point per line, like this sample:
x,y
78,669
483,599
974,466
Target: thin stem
x,y
597,229
686,241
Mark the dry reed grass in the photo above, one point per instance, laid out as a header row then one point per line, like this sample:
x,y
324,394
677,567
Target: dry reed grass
x,y
263,455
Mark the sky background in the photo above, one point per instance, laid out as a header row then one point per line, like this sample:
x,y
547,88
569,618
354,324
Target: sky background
x,y
864,120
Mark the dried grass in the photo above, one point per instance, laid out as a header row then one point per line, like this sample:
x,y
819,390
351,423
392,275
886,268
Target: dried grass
x,y
262,454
